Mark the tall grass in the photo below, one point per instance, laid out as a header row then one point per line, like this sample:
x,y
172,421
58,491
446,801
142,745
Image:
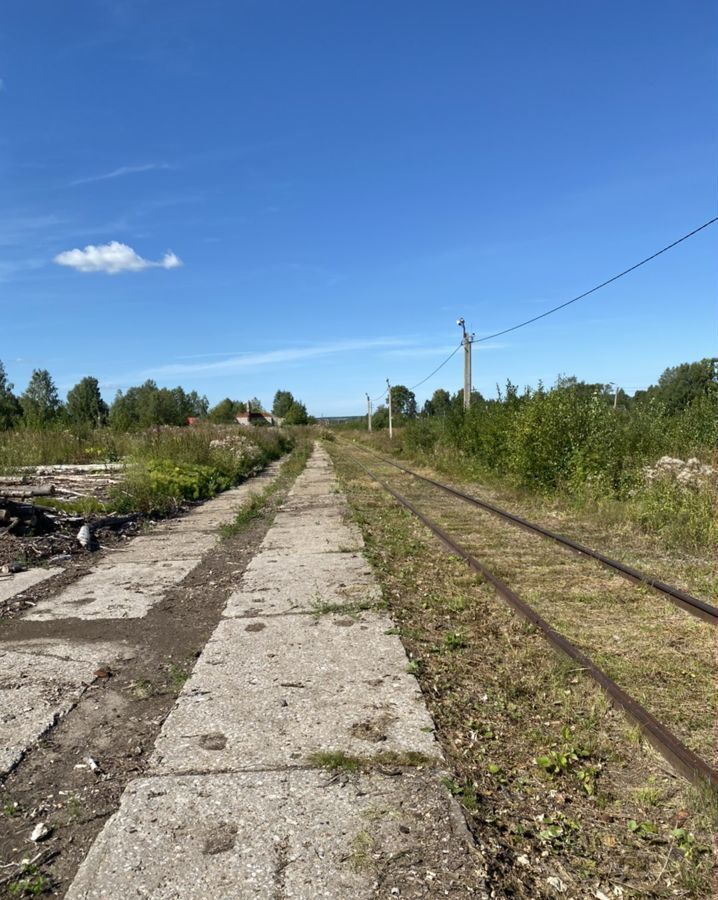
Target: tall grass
x,y
566,443
58,446
164,466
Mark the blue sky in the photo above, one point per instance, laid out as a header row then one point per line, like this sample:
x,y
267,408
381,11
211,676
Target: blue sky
x,y
308,194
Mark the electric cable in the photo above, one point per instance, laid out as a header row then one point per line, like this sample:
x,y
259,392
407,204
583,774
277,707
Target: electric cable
x,y
598,287
563,305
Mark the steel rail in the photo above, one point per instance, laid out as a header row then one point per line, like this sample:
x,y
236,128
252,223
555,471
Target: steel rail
x,y
693,605
682,758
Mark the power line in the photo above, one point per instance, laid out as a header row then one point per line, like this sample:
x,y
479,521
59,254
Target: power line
x,y
560,306
430,375
598,286
440,366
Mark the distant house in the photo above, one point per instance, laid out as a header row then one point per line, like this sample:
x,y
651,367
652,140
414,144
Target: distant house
x,y
255,417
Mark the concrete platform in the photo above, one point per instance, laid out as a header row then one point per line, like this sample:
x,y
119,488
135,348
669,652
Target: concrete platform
x,y
40,680
118,589
273,691
236,805
293,834
278,582
126,584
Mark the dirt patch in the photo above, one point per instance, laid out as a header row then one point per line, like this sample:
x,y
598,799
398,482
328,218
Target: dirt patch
x,y
119,716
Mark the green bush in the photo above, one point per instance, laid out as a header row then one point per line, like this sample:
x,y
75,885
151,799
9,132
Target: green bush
x,y
571,441
159,486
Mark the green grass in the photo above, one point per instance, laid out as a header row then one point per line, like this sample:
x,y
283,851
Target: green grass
x,y
562,444
338,761
251,510
79,506
29,882
335,761
177,675
164,467
257,503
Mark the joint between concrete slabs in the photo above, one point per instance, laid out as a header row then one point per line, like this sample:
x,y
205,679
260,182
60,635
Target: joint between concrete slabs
x,y
365,766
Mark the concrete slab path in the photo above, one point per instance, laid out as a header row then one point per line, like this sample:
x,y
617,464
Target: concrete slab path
x,y
41,680
235,804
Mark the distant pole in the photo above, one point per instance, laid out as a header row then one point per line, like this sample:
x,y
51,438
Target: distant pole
x,y
467,341
368,412
615,397
388,399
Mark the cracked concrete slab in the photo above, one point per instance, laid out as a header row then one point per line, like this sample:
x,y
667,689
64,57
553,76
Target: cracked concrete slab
x,y
40,680
281,582
310,538
233,807
279,689
173,545
127,584
12,585
116,589
293,834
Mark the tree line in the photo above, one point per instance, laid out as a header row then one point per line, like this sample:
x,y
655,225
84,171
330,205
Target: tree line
x,y
39,406
675,390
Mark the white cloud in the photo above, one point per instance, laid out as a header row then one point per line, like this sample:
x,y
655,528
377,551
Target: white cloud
x,y
113,258
120,172
269,358
253,361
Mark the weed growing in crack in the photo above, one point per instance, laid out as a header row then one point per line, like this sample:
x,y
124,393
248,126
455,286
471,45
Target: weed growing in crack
x,y
320,608
257,503
177,675
464,793
73,806
361,857
414,666
334,760
338,761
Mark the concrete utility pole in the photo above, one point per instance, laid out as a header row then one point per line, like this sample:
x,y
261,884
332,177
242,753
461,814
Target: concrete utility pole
x,y
388,400
467,341
368,412
615,397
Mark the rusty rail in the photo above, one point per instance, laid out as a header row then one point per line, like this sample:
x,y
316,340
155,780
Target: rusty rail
x,y
682,758
693,605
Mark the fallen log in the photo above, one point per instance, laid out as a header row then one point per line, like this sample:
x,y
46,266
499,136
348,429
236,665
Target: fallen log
x,y
43,490
73,469
114,521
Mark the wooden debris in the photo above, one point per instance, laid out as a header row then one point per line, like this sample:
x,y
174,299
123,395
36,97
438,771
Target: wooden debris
x,y
43,490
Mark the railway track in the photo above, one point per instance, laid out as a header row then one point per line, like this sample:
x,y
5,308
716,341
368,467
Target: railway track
x,y
682,599
669,745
